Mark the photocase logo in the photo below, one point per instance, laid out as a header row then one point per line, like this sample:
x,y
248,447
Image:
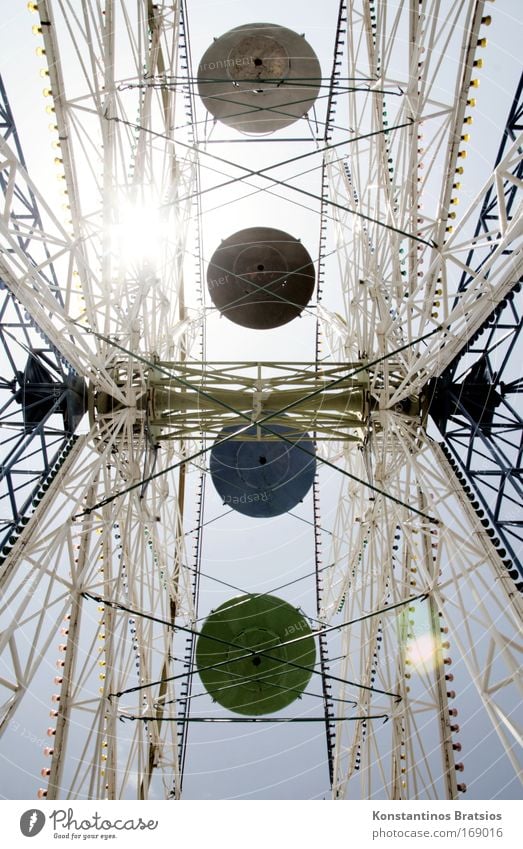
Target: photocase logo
x,y
32,822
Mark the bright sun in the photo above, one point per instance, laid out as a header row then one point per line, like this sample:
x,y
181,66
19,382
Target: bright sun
x,y
138,235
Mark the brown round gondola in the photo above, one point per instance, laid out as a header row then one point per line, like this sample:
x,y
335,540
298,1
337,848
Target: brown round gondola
x,y
259,77
261,278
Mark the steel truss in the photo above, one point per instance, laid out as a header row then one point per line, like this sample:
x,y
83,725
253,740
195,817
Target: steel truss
x,y
451,562
206,397
125,550
478,413
475,402
36,379
401,265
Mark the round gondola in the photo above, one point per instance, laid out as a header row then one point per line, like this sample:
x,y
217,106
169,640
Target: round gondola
x,y
261,278
258,78
263,477
255,654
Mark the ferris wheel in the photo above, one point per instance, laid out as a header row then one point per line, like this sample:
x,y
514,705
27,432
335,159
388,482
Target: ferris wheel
x,y
261,484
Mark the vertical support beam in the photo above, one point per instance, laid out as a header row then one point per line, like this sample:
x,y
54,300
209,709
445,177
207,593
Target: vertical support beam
x,y
326,686
62,723
443,716
447,752
109,137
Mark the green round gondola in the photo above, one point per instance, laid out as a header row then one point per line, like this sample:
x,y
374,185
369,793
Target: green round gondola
x,y
258,664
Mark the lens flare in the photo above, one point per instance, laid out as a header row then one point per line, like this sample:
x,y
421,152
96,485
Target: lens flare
x,y
422,651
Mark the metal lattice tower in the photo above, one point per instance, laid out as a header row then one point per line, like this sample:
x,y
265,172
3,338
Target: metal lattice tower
x,y
476,405
42,400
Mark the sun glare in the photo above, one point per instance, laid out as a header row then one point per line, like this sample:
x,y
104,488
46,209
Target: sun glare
x,y
138,235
